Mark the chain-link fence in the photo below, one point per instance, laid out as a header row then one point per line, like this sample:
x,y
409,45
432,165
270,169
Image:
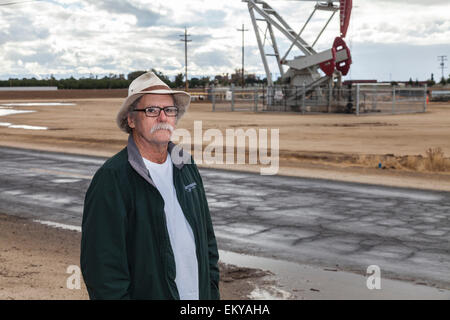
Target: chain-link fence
x,y
236,99
390,100
356,99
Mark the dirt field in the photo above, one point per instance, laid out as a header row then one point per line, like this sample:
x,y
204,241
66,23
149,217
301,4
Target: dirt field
x,y
411,149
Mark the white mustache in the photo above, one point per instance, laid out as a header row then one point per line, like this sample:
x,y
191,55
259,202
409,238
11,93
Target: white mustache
x,y
162,126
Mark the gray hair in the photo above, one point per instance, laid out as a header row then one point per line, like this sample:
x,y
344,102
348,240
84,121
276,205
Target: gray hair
x,y
124,120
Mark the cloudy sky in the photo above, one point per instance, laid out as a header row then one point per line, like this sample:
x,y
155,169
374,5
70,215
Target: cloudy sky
x,y
389,39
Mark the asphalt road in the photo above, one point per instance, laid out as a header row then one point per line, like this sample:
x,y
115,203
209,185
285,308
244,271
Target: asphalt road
x,y
347,226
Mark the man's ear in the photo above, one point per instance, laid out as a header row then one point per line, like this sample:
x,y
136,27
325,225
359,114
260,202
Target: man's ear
x,y
131,123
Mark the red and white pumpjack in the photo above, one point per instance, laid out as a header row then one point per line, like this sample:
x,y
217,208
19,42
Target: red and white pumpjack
x,y
303,70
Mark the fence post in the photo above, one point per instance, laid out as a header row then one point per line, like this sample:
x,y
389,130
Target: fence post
x,y
425,98
232,97
213,94
376,97
357,99
284,96
393,99
303,98
256,99
264,97
330,85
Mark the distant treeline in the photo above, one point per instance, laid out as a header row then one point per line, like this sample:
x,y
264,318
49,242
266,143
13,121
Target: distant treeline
x,y
121,81
71,83
107,82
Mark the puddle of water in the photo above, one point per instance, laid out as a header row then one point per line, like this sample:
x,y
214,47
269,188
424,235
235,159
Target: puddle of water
x,y
59,225
269,293
314,282
21,126
27,127
8,112
65,180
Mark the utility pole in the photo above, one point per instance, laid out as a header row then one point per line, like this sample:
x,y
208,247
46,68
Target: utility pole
x,y
185,40
442,64
243,76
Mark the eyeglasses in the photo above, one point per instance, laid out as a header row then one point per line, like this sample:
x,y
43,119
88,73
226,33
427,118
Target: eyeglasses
x,y
154,112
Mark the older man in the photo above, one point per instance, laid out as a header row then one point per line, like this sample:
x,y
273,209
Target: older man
x,y
147,231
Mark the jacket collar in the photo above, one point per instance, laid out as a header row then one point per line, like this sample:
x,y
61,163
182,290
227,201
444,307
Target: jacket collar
x,y
135,159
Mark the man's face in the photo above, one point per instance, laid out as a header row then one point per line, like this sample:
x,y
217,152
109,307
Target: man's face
x,y
143,125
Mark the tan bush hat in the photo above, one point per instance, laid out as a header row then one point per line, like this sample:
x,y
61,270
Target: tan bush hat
x,y
149,83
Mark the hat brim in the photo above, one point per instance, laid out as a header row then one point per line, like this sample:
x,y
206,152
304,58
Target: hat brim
x,y
181,99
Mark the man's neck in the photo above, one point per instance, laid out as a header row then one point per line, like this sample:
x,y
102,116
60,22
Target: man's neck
x,y
153,152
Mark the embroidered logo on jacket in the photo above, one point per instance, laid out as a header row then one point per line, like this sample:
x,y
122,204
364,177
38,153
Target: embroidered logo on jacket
x,y
190,187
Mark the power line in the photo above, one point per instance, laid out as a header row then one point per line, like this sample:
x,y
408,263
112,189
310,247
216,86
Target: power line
x,y
185,40
17,2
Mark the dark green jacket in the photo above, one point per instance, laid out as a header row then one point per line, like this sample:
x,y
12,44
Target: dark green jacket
x,y
125,246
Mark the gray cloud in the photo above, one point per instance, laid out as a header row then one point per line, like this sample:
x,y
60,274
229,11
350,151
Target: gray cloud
x,y
22,30
145,17
209,18
399,61
42,55
212,58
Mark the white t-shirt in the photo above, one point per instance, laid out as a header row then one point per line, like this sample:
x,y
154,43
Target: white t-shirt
x,y
180,232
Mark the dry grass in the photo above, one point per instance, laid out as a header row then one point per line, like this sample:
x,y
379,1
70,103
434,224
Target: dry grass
x,y
434,161
414,163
